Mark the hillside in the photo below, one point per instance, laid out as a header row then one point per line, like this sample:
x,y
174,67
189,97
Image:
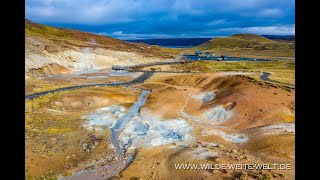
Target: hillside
x,y
248,45
51,50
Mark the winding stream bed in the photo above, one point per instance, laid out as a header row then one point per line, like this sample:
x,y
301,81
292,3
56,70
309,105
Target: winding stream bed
x,y
124,158
265,77
123,121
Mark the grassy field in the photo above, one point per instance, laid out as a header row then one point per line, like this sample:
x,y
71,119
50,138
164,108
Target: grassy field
x,y
44,30
33,85
245,52
283,71
176,51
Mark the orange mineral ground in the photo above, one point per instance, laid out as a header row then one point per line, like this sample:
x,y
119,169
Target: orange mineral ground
x,y
187,118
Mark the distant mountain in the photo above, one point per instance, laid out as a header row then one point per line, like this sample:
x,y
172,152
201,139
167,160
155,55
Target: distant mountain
x,y
249,45
173,42
250,41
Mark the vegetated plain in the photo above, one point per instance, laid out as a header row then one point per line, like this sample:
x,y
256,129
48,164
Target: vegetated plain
x,y
283,71
199,112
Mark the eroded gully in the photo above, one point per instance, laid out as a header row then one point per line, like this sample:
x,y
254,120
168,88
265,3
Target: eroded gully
x,y
124,158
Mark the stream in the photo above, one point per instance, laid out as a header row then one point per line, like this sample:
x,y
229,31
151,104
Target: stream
x,y
116,130
124,158
265,77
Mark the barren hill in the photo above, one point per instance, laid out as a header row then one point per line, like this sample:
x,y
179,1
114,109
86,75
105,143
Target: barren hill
x,y
51,50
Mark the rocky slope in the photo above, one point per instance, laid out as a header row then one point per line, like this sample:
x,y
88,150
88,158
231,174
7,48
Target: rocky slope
x,y
50,50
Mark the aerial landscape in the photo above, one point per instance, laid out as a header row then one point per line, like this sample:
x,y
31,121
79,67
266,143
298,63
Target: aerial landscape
x,y
159,105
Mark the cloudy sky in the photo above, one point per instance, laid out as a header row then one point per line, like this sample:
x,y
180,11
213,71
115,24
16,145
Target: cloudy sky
x,y
140,19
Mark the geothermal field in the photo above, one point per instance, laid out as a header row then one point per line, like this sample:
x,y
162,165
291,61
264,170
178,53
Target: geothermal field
x,y
85,120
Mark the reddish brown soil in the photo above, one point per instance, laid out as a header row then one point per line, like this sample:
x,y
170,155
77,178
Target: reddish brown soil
x,y
256,104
